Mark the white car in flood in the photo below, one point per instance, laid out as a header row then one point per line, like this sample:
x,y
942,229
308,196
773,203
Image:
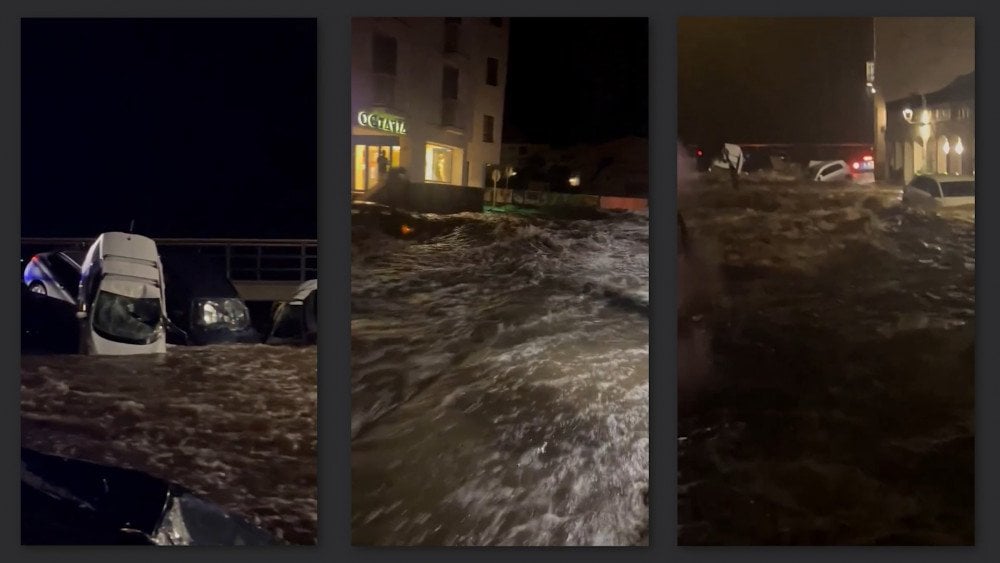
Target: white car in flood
x,y
121,302
940,190
827,171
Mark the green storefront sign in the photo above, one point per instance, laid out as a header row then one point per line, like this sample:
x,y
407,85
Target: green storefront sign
x,y
382,122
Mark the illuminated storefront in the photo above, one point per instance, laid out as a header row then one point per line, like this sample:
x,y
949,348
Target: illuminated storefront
x,y
376,148
427,99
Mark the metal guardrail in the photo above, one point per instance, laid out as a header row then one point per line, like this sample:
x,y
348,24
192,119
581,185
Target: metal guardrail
x,y
244,259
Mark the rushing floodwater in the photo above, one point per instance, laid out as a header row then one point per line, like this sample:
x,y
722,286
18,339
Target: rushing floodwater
x,y
236,424
500,382
839,408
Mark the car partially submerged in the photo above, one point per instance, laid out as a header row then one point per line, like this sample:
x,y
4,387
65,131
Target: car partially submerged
x,y
203,305
48,325
55,274
73,502
940,190
295,321
390,220
121,303
827,171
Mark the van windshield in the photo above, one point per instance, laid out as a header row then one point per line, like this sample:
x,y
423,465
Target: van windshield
x,y
126,319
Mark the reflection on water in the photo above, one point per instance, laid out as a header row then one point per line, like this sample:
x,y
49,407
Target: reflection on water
x,y
839,409
236,424
500,382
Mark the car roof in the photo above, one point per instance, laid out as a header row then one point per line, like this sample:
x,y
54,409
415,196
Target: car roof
x,y
947,177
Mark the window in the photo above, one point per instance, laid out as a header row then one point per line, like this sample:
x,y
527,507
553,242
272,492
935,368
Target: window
x,y
959,189
451,33
66,273
487,128
492,70
384,54
439,163
496,22
449,83
927,186
831,169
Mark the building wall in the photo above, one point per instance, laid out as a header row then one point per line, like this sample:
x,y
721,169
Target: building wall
x,y
916,55
417,89
906,154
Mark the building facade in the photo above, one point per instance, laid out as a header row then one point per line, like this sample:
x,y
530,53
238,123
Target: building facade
x,y
932,133
427,96
914,56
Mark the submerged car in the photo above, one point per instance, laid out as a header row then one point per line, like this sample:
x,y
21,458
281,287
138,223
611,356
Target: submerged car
x,y
121,305
295,321
827,171
391,221
48,325
940,190
72,502
55,274
202,303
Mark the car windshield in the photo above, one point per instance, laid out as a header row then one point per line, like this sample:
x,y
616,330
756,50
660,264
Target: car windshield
x,y
958,189
126,319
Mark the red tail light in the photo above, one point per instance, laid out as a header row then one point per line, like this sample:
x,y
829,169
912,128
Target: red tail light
x,y
699,153
856,165
868,159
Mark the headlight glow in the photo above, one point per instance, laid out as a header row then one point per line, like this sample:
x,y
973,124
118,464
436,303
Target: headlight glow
x,y
231,313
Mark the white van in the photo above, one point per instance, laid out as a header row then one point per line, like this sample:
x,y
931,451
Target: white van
x,y
121,301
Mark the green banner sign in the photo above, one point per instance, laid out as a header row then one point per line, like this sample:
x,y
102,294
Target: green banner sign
x,y
382,122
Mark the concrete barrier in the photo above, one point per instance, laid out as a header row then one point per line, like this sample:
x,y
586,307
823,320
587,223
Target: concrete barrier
x,y
444,199
624,203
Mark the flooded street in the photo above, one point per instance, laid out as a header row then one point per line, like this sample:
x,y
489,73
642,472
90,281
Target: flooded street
x,y
500,382
839,406
236,424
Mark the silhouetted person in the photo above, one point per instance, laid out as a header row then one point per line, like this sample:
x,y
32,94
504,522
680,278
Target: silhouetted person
x,y
383,165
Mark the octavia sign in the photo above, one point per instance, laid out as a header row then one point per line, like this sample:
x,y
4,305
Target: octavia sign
x,y
382,122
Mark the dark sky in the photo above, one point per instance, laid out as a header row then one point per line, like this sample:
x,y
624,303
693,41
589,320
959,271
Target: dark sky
x,y
577,80
190,127
773,80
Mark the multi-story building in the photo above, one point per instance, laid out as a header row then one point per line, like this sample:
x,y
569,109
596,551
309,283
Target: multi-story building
x,y
932,57
427,96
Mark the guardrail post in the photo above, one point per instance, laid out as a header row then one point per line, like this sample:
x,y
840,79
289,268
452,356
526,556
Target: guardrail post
x,y
302,262
259,248
229,257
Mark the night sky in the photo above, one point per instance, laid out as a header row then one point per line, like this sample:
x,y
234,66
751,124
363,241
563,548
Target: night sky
x,y
189,127
777,80
577,80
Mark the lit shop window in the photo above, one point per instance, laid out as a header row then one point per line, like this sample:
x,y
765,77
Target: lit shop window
x,y
438,165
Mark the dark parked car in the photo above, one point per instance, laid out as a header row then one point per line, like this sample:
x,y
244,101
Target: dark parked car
x,y
295,321
71,502
48,325
202,303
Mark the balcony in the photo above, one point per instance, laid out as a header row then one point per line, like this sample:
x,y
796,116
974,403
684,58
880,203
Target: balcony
x,y
383,89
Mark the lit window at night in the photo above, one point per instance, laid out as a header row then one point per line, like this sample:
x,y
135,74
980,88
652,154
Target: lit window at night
x,y
439,164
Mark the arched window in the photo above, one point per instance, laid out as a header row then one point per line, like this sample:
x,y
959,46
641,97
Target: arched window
x,y
958,148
